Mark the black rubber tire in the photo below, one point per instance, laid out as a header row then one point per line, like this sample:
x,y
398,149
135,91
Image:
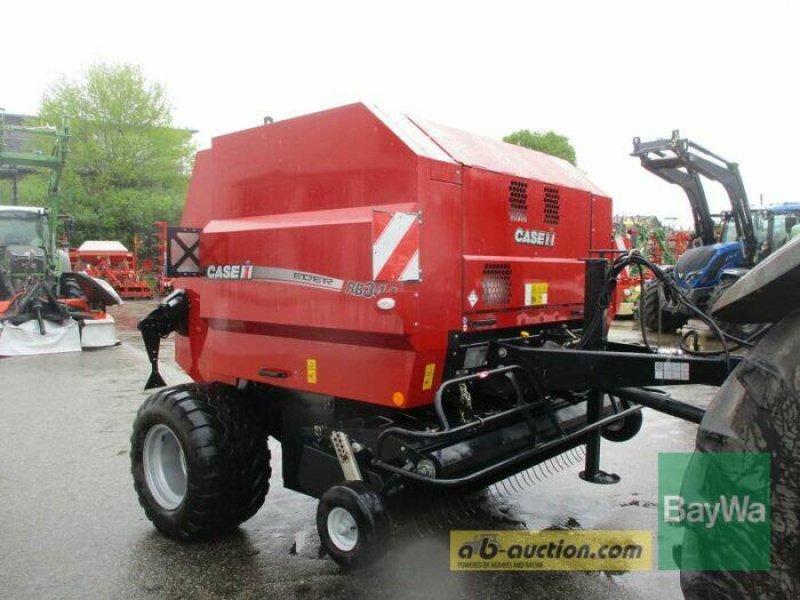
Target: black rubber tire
x,y
741,331
756,410
625,429
372,520
71,289
224,442
651,307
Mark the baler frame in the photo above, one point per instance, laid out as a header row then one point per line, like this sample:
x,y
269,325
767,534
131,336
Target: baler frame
x,y
622,370
494,362
613,369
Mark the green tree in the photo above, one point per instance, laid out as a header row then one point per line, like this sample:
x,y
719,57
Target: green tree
x,y
128,164
549,142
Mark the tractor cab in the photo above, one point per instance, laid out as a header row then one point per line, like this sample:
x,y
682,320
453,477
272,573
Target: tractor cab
x,y
773,226
24,232
23,225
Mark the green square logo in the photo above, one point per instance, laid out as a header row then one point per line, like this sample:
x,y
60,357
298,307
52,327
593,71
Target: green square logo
x,y
713,511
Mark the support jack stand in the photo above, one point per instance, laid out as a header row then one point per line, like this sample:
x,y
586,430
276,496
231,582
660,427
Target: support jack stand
x,y
600,477
596,270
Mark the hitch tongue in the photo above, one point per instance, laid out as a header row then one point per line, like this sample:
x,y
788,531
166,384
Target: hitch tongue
x,y
170,315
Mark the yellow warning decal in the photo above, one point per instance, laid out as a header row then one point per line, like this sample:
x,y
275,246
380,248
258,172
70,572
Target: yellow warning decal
x,y
427,382
535,294
311,370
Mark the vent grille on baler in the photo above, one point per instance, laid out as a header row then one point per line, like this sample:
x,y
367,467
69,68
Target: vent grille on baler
x,y
551,205
497,283
518,200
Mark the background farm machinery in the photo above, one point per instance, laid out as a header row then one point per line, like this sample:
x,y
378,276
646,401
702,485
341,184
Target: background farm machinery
x,y
122,269
44,307
113,263
719,255
661,245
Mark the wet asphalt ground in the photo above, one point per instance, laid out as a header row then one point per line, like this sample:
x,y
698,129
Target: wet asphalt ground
x,y
70,525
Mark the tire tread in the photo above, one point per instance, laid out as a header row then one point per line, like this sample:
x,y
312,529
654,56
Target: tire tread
x,y
227,452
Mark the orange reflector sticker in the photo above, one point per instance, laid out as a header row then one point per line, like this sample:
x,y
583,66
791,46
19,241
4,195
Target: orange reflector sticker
x,y
398,399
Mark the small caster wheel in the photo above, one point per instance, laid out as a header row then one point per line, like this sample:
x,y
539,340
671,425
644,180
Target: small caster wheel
x,y
353,525
624,429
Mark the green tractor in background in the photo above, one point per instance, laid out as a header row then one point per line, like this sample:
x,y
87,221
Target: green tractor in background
x,y
28,250
44,307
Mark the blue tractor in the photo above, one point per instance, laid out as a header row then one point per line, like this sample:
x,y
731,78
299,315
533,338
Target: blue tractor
x,y
715,261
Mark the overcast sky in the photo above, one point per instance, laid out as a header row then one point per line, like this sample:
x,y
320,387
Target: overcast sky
x,y
724,73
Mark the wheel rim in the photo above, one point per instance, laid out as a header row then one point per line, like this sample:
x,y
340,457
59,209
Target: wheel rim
x,y
342,529
164,467
616,425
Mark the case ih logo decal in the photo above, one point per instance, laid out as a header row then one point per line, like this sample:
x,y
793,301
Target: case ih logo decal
x,y
229,272
534,237
395,246
360,289
250,272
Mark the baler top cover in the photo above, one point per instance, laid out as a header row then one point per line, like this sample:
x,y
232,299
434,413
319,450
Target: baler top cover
x,y
473,150
357,237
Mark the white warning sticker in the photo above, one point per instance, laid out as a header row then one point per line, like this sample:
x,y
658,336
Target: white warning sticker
x,y
472,298
675,371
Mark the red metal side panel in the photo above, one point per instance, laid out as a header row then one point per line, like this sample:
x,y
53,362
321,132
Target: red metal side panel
x,y
266,319
311,269
288,245
523,241
602,239
205,187
335,159
360,351
602,230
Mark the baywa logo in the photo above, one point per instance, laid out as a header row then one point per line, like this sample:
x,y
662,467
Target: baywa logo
x,y
714,511
729,509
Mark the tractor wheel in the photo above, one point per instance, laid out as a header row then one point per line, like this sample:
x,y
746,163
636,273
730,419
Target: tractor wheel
x,y
353,525
741,331
655,318
624,429
756,410
200,460
71,289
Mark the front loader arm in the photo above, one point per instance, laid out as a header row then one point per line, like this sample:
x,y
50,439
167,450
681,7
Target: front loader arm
x,y
681,161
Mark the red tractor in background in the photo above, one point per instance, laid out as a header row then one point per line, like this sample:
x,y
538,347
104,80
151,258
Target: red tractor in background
x,y
407,308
